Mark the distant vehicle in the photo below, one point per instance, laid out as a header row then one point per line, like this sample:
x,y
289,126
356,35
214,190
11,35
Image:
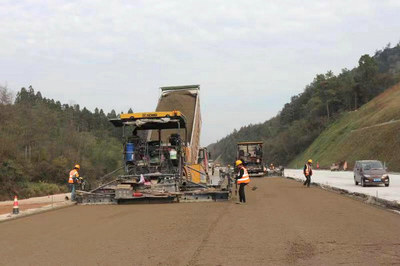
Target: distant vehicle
x,y
370,172
251,154
275,171
339,166
210,163
335,167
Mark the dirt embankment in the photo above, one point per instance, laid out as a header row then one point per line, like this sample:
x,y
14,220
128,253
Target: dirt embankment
x,y
283,223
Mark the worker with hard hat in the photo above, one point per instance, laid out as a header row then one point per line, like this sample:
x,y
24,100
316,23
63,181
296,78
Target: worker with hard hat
x,y
308,172
242,179
73,179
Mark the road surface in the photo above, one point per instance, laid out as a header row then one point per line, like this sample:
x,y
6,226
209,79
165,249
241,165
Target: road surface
x,y
345,180
282,223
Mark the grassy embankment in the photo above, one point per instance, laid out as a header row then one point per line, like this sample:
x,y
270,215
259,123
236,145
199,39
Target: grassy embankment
x,y
372,132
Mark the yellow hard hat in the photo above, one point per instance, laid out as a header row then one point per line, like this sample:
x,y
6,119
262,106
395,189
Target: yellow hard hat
x,y
310,161
238,162
77,166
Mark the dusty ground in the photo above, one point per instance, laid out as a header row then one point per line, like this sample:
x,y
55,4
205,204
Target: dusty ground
x,y
283,223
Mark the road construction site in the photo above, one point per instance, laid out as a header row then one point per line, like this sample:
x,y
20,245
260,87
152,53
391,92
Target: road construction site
x,y
282,223
193,218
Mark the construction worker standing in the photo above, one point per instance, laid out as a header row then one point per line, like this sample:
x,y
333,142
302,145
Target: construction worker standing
x,y
73,179
308,172
242,179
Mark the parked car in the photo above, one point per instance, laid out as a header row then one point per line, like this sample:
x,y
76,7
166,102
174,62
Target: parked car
x,y
370,172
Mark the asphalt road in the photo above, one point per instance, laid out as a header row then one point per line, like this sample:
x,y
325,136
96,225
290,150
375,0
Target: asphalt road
x,y
282,223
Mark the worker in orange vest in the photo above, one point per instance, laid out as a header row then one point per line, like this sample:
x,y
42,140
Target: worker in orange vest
x,y
308,172
242,179
73,179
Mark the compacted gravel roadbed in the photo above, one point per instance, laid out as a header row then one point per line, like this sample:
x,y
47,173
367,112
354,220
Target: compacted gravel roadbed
x,y
282,223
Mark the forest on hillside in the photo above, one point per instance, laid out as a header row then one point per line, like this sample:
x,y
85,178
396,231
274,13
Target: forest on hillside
x,y
301,120
370,133
42,139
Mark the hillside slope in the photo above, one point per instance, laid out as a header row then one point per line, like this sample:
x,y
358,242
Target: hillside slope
x,y
41,140
372,132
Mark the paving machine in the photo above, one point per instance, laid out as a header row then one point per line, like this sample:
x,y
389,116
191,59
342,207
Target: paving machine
x,y
160,161
251,154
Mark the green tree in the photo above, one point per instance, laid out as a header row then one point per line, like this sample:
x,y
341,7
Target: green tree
x,y
365,77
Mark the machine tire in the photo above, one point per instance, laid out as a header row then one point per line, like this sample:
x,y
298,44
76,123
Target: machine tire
x,y
362,182
355,181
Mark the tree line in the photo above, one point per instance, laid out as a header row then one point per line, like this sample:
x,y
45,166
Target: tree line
x,y
325,99
42,139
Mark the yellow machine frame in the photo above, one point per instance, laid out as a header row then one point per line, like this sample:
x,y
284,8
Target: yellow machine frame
x,y
150,115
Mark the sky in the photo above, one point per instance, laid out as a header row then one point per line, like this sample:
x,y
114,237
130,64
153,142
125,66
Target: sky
x,y
249,57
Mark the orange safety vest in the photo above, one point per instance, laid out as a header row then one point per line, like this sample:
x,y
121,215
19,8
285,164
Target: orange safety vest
x,y
73,173
308,169
245,178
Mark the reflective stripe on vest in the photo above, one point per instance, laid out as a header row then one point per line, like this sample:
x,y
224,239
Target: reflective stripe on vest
x,y
73,173
245,178
308,169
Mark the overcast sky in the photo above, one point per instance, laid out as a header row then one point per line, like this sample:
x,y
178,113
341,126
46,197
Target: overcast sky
x,y
249,57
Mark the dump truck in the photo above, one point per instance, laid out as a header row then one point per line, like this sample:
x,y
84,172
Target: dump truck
x,y
160,155
186,99
251,154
